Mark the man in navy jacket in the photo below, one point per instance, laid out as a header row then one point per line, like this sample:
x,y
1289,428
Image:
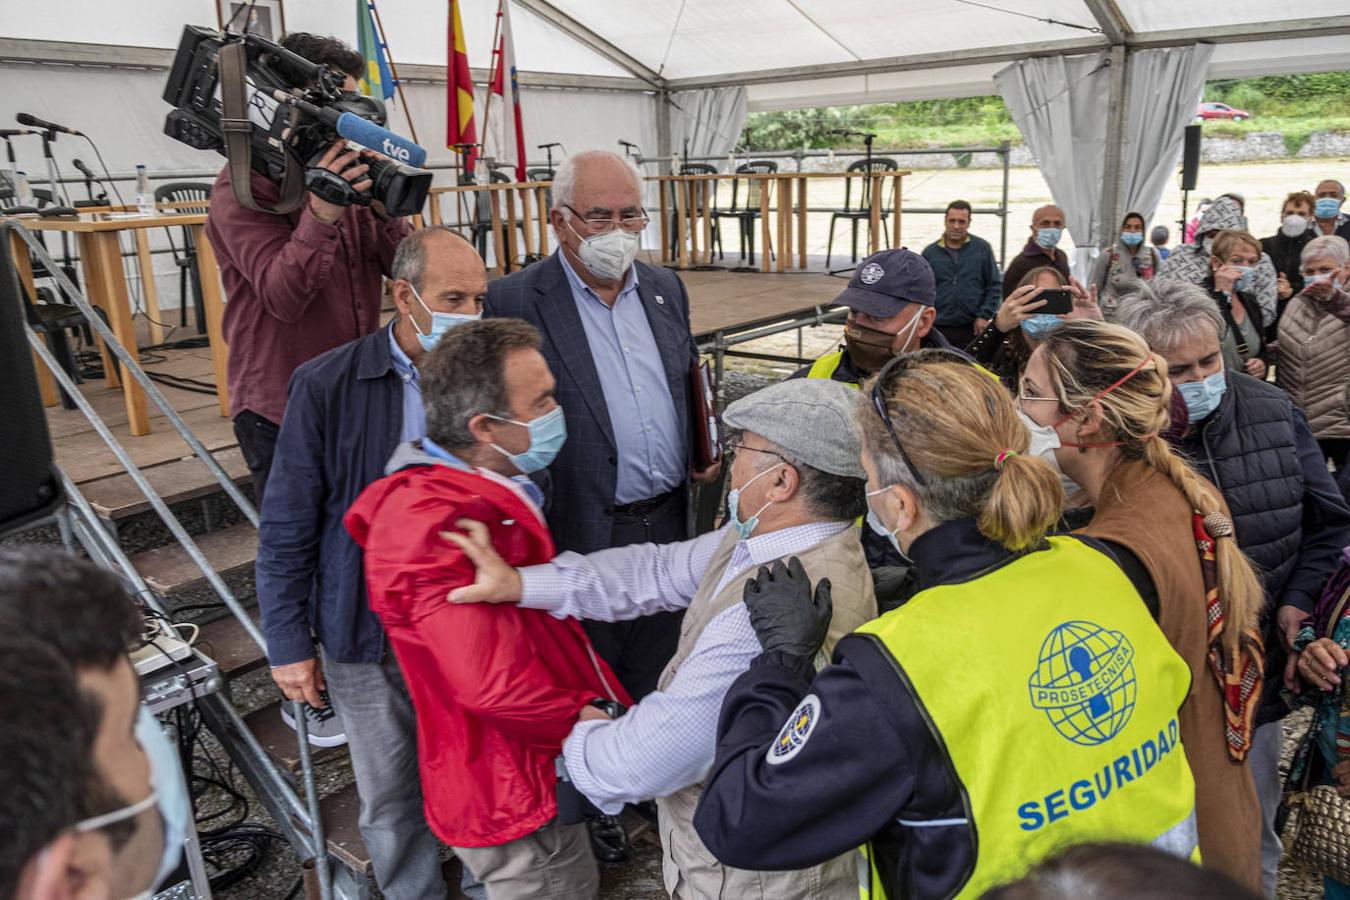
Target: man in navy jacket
x,y
616,336
347,412
966,277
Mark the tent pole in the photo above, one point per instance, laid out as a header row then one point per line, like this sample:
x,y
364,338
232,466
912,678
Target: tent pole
x,y
393,70
1115,136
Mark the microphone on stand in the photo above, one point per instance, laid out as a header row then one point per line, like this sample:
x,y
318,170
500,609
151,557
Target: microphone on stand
x,y
43,125
89,180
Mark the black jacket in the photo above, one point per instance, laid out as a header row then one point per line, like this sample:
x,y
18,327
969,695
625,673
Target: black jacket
x,y
1290,517
872,758
1284,254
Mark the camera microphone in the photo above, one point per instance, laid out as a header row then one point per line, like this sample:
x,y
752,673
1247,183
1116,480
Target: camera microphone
x,y
44,125
361,131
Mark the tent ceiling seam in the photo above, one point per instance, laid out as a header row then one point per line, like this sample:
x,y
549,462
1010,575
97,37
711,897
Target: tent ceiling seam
x,y
823,30
597,42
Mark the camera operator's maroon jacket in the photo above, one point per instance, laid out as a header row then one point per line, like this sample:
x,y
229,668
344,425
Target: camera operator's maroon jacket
x,y
496,687
295,286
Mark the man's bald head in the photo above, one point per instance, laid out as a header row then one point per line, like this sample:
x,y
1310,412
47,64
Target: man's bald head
x,y
1050,216
442,269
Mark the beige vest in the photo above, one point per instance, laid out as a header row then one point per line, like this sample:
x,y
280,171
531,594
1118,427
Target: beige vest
x,y
1314,365
691,872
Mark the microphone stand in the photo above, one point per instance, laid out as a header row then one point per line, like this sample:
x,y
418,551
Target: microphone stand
x,y
54,182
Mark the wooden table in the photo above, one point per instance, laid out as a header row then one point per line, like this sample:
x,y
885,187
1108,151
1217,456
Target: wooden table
x,y
694,214
503,219
105,285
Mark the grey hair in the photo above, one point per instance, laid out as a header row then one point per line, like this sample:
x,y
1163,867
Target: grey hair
x,y
410,257
830,496
1332,246
1166,311
565,178
1338,184
464,375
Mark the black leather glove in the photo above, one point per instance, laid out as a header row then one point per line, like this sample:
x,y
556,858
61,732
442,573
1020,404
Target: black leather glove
x,y
783,611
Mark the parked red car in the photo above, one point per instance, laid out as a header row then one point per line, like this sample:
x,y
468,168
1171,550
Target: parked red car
x,y
1213,110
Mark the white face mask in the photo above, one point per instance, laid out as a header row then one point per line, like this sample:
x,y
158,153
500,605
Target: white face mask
x,y
608,256
1044,443
1293,226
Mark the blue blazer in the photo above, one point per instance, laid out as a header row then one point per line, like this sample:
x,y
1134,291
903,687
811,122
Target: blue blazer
x,y
581,514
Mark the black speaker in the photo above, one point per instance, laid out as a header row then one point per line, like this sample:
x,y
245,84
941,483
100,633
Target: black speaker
x,y
1190,158
29,489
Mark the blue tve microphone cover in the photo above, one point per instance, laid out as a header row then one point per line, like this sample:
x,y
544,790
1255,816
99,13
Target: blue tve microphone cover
x,y
381,140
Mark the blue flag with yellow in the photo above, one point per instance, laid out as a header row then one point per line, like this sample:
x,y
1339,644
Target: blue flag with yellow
x,y
378,82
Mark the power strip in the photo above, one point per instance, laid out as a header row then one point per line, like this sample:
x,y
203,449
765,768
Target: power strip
x,y
162,647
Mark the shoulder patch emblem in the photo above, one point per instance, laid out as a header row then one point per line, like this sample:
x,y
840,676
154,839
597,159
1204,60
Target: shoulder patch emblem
x,y
795,731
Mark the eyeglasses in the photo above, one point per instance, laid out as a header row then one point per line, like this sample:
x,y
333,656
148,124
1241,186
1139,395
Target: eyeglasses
x,y
901,364
734,448
606,225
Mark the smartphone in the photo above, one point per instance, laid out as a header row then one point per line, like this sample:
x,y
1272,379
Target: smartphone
x,y
1058,302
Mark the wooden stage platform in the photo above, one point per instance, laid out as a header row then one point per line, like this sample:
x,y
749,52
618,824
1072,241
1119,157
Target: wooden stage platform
x,y
721,302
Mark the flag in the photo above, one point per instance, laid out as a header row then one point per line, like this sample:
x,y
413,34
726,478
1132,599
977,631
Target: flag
x,y
508,138
378,82
459,91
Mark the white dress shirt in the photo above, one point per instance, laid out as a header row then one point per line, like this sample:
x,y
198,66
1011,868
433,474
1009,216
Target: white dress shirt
x,y
668,740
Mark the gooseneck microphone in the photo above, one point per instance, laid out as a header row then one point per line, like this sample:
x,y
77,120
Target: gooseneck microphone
x,y
84,170
43,125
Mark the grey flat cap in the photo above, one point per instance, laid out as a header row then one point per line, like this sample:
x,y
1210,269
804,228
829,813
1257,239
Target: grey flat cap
x,y
810,418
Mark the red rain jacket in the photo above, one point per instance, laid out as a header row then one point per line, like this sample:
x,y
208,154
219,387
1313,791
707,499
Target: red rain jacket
x,y
496,688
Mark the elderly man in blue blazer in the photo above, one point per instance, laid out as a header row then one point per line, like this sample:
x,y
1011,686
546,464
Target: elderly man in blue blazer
x,y
616,335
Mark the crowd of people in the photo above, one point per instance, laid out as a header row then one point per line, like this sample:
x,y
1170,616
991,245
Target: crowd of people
x,y
993,586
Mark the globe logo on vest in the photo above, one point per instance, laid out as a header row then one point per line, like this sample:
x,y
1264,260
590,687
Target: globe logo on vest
x,y
1084,681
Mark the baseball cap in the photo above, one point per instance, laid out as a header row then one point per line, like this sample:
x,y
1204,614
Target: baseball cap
x,y
884,282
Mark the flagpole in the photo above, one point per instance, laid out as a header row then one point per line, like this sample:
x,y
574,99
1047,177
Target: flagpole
x,y
492,77
393,70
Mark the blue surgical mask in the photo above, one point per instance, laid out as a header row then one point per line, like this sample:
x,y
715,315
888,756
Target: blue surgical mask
x,y
1324,276
166,777
1131,238
1202,397
1326,207
1048,237
746,528
440,323
1245,279
1040,326
874,522
547,435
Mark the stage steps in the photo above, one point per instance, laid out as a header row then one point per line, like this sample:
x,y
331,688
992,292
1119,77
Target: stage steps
x,y
226,642
171,571
116,497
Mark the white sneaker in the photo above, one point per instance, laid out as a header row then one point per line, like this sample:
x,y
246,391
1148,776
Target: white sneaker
x,y
323,724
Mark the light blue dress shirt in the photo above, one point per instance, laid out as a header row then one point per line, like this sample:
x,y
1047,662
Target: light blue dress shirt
x,y
651,449
414,416
669,739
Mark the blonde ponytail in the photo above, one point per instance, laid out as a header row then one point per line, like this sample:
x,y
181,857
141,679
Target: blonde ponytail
x,y
962,436
1113,367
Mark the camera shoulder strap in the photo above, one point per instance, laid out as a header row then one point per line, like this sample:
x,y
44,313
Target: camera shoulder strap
x,y
238,131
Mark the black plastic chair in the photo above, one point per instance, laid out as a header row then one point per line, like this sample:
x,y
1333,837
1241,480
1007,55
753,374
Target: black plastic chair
x,y
482,218
747,214
186,192
863,211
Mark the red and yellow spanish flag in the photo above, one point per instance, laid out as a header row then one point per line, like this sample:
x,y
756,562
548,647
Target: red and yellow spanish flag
x,y
459,123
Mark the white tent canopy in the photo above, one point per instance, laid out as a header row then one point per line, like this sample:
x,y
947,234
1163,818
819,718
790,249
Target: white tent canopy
x,y
597,71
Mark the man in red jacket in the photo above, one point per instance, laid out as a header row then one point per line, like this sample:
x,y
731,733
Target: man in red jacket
x,y
496,688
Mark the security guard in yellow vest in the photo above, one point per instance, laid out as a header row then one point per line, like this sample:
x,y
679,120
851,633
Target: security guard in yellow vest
x,y
1024,700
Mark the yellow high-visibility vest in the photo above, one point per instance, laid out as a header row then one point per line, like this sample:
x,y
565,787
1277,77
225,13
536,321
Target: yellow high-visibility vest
x,y
1055,696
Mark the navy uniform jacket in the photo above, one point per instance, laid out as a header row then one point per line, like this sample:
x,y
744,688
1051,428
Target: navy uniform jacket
x,y
871,759
581,514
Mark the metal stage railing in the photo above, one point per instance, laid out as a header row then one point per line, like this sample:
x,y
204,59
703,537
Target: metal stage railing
x,y
299,821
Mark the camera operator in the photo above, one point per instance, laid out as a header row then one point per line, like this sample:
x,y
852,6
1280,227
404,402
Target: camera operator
x,y
298,284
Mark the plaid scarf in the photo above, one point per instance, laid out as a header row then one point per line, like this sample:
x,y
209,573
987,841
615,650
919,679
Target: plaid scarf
x,y
1239,679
